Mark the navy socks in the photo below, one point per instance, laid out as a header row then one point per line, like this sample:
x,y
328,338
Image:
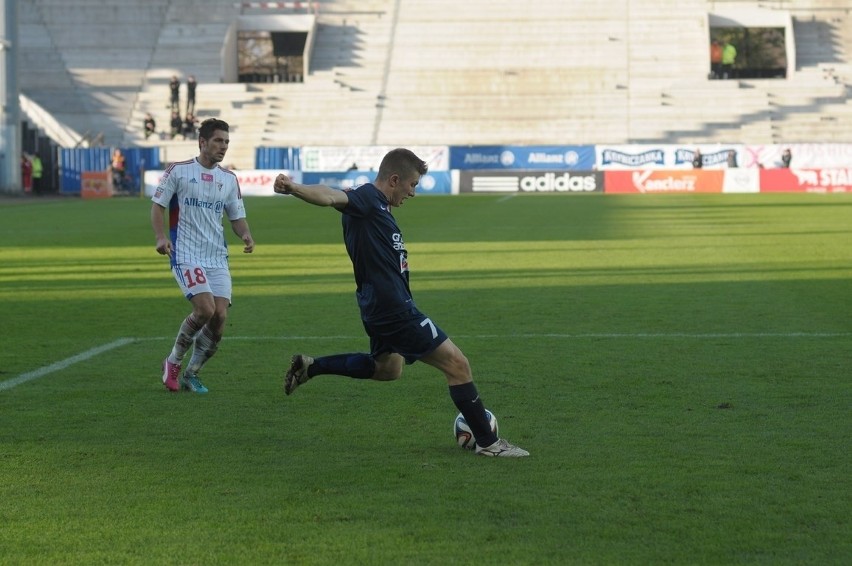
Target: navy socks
x,y
357,366
470,406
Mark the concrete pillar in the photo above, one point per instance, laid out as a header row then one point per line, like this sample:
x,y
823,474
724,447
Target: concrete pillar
x,y
10,110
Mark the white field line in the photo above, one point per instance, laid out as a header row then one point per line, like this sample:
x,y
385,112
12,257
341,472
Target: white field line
x,y
88,354
81,357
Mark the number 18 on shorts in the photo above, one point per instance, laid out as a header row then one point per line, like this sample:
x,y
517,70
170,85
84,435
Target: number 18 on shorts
x,y
195,279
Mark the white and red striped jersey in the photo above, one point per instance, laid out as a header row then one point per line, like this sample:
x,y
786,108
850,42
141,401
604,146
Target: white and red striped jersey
x,y
197,198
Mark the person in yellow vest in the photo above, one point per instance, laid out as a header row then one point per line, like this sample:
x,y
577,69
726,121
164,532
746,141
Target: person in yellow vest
x,y
35,160
729,56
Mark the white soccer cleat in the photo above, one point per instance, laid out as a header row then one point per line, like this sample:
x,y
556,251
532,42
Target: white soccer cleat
x,y
502,449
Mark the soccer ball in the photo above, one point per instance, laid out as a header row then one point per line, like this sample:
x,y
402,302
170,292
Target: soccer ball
x,y
464,436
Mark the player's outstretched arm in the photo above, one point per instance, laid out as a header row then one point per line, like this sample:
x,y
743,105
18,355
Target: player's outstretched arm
x,y
320,195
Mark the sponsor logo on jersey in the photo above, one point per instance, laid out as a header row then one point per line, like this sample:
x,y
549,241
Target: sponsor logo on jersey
x,y
198,203
398,244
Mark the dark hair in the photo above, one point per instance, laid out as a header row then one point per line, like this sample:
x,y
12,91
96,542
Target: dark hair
x,y
209,126
402,162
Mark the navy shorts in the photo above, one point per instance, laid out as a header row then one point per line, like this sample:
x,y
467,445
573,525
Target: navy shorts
x,y
411,334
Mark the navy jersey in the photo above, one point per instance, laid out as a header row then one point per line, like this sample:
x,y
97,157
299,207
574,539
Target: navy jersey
x,y
378,254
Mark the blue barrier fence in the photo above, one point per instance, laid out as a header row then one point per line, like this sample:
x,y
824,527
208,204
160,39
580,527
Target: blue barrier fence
x,y
277,158
73,162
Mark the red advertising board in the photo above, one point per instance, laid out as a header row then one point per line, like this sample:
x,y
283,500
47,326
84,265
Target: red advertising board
x,y
96,184
838,180
664,181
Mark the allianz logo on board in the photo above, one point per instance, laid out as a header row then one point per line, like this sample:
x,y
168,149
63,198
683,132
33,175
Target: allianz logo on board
x,y
484,158
427,182
567,158
507,158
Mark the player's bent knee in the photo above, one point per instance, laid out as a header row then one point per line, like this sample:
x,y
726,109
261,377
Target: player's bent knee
x,y
203,310
458,365
203,315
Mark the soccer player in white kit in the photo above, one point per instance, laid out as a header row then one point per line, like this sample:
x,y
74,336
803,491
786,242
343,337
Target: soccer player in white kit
x,y
197,193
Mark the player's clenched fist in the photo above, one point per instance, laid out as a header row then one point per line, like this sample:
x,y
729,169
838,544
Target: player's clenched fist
x,y
283,184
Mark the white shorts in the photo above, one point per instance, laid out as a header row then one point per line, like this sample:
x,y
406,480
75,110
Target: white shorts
x,y
194,279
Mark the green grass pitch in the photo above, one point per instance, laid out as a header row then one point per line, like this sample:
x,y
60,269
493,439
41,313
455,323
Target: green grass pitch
x,y
679,367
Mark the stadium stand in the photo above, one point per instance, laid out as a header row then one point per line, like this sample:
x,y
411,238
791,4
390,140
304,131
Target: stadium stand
x,y
389,72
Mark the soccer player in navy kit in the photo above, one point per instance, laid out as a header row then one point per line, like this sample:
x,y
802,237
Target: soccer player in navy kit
x,y
399,333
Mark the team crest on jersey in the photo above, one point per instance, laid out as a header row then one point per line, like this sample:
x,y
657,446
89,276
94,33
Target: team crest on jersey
x,y
219,186
403,263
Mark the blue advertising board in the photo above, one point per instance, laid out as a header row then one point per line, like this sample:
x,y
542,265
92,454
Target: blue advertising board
x,y
550,157
432,183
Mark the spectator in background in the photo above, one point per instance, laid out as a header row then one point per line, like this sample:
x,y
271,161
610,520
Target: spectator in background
x,y
118,169
732,159
35,161
715,60
150,125
189,127
697,159
174,88
786,158
190,94
26,173
353,167
729,57
176,124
